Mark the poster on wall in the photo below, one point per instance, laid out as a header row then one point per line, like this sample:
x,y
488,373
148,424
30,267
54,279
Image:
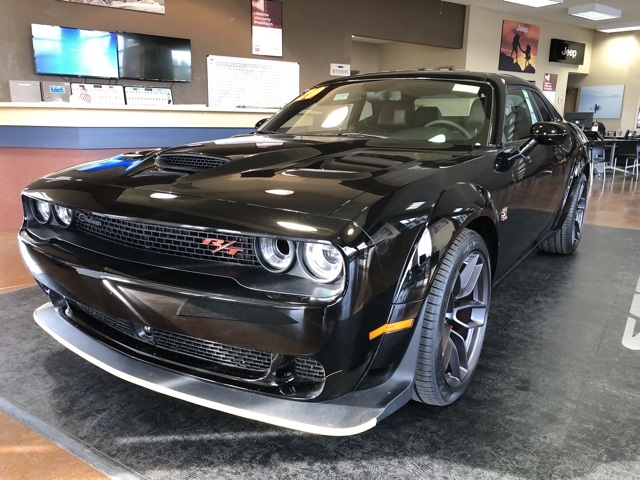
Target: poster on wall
x,y
266,28
549,86
519,47
150,6
604,101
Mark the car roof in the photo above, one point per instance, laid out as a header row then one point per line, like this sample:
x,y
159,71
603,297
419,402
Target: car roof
x,y
496,78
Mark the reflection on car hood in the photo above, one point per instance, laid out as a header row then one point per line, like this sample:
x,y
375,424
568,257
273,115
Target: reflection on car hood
x,y
314,175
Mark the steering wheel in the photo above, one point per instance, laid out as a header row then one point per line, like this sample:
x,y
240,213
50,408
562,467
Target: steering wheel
x,y
449,123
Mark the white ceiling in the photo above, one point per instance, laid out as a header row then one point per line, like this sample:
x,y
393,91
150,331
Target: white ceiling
x,y
559,13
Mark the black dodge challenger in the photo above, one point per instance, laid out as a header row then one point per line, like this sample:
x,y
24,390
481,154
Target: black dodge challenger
x,y
322,271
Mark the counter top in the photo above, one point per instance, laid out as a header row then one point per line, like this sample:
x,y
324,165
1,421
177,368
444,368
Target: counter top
x,y
60,114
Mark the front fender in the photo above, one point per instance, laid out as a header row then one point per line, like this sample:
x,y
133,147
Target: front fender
x,y
460,206
460,202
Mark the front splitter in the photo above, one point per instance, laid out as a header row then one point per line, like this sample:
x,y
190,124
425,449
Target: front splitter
x,y
350,414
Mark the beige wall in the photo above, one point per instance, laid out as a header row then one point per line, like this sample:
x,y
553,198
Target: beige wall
x,y
319,33
365,57
315,33
616,61
481,49
398,56
372,57
483,46
610,59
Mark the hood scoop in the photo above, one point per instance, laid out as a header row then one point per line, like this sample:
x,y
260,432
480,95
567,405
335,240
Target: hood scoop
x,y
189,162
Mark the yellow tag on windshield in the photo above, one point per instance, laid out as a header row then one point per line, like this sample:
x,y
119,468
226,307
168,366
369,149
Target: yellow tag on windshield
x,y
309,94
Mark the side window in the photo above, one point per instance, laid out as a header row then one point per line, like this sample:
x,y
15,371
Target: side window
x,y
519,116
545,114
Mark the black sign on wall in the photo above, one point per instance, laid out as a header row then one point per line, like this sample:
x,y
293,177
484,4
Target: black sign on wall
x,y
565,51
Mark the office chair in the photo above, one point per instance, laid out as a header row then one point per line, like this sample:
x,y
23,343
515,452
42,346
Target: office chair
x,y
597,157
629,151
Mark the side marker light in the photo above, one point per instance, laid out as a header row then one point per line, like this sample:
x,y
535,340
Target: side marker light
x,y
391,327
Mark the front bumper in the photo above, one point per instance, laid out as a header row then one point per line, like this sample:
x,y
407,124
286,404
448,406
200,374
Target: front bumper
x,y
299,336
349,414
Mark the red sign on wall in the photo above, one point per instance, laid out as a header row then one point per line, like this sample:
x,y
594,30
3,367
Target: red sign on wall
x,y
266,23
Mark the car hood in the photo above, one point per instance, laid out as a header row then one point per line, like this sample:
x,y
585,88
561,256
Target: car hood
x,y
312,175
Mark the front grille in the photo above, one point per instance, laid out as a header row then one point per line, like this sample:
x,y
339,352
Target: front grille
x,y
247,363
189,161
309,369
236,357
172,240
116,323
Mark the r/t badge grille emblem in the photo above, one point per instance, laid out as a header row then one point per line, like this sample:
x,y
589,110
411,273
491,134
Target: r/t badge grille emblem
x,y
219,245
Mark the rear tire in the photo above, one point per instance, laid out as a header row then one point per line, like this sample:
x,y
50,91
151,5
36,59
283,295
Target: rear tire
x,y
454,321
567,239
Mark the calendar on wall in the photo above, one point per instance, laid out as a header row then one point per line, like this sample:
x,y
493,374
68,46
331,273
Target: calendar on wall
x,y
148,96
97,95
246,83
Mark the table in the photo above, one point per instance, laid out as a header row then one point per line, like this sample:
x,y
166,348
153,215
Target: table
x,y
611,145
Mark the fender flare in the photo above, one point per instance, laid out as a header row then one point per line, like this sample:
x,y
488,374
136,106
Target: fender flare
x,y
459,206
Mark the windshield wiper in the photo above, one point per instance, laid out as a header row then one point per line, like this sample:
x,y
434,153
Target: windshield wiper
x,y
473,147
358,134
341,134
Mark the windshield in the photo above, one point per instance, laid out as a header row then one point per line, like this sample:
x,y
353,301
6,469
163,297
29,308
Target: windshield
x,y
441,112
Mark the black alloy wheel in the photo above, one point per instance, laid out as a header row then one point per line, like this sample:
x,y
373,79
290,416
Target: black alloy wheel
x,y
567,239
454,322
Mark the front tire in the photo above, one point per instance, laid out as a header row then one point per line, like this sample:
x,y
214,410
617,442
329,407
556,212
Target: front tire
x,y
454,322
566,240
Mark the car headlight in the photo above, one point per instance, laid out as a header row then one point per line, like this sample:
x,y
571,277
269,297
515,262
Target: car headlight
x,y
275,254
41,210
320,261
64,215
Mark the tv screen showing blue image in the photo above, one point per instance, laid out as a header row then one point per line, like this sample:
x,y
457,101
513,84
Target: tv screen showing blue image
x,y
74,52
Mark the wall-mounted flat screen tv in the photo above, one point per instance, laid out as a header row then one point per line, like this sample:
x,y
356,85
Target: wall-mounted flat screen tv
x,y
74,52
151,57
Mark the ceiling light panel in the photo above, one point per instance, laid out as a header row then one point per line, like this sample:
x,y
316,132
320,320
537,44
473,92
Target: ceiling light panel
x,y
595,11
614,27
535,3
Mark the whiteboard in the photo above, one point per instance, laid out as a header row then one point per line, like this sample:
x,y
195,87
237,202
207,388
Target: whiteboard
x,y
247,83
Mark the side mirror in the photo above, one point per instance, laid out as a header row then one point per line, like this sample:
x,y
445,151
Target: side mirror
x,y
260,122
542,133
549,133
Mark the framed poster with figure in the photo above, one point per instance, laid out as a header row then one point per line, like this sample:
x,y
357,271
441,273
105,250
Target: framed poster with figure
x,y
519,47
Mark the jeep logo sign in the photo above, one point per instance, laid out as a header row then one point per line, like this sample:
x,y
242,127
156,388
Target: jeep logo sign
x,y
565,51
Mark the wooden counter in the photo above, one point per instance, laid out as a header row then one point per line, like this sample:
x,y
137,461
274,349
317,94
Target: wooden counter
x,y
81,126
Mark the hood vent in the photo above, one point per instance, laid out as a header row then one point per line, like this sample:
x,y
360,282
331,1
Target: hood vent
x,y
189,162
